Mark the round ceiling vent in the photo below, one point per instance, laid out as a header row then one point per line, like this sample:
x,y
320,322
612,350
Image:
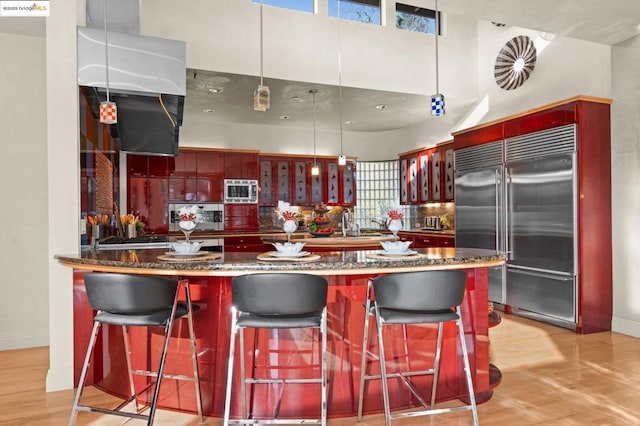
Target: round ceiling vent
x,y
515,63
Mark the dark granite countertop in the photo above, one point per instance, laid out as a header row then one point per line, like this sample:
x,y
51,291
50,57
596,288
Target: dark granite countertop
x,y
234,263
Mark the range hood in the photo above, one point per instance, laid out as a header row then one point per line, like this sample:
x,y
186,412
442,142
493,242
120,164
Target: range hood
x,y
147,80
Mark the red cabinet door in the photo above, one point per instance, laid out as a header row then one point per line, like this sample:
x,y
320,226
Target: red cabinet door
x,y
210,176
157,202
137,165
241,165
158,166
267,182
348,187
182,189
241,217
185,164
447,173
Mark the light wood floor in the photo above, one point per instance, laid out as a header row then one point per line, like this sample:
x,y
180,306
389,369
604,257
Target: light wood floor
x,y
551,376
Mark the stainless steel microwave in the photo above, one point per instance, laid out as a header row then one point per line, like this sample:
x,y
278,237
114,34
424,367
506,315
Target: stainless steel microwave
x,y
240,191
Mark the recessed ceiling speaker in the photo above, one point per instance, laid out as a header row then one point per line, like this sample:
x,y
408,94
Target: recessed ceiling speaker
x,y
515,63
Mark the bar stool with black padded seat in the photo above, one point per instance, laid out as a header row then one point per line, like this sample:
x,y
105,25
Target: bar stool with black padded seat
x,y
426,297
276,301
136,300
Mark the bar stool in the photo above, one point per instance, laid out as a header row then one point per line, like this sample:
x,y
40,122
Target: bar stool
x,y
276,301
136,300
428,297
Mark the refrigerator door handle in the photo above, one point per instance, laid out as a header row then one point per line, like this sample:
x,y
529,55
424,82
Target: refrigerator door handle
x,y
498,233
555,275
507,211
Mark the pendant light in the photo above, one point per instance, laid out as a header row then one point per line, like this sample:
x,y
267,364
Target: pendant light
x,y
261,96
315,170
437,100
108,109
342,159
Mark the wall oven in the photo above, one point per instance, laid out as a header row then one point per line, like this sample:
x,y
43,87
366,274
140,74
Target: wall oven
x,y
212,216
240,191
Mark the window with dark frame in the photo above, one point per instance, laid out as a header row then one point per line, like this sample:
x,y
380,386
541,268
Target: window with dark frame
x,y
415,18
367,11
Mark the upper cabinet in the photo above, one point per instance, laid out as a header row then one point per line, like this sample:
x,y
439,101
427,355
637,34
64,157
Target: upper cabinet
x,y
241,165
289,179
426,175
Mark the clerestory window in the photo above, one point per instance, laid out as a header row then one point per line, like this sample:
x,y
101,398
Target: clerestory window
x,y
415,18
367,11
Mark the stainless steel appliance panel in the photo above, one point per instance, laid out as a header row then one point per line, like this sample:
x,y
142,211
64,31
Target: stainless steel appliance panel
x,y
543,293
479,197
540,213
478,208
497,284
212,216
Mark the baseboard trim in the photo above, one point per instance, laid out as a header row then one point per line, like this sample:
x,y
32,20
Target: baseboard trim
x,y
24,339
625,326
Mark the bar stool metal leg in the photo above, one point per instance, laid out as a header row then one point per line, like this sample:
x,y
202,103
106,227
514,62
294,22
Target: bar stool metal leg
x,y
323,330
83,374
194,350
232,347
436,365
127,351
383,371
467,368
365,349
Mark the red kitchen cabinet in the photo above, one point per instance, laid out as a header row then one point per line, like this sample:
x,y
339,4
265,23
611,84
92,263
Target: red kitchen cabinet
x,y
182,189
248,243
289,179
427,175
348,189
137,165
241,217
275,180
446,241
448,172
158,166
300,182
267,182
409,177
185,164
241,165
210,176
423,241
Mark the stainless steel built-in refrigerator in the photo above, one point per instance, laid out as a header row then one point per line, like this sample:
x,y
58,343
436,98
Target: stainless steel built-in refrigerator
x,y
519,196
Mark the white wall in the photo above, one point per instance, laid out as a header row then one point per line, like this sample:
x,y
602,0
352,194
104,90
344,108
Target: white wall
x,y
23,190
625,159
63,183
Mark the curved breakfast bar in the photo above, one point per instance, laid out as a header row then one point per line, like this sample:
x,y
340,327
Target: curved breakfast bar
x,y
347,272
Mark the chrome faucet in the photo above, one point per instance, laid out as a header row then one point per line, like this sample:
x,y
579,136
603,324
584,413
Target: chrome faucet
x,y
348,224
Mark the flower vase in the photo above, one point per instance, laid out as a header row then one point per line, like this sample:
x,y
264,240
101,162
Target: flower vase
x,y
394,225
131,230
289,227
187,227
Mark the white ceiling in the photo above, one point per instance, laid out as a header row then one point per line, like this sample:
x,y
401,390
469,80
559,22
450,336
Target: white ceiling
x,y
606,22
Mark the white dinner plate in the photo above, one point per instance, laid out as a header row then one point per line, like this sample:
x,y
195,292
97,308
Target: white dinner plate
x,y
279,254
398,253
195,253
